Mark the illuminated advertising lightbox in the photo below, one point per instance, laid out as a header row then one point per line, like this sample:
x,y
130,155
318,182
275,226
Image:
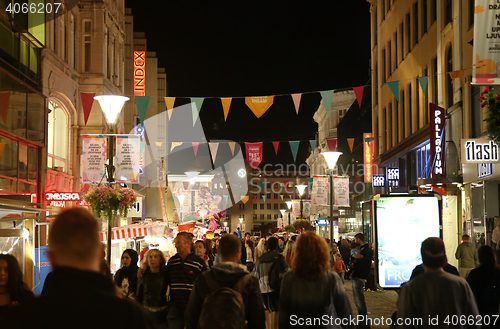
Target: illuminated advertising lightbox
x,y
401,224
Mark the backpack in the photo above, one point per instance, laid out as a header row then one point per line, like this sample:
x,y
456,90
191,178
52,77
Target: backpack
x,y
276,273
224,307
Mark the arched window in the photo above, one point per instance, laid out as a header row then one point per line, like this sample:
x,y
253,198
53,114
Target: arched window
x,y
58,135
449,81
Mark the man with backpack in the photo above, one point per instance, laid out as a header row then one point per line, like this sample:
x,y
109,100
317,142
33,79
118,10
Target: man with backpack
x,y
270,269
227,296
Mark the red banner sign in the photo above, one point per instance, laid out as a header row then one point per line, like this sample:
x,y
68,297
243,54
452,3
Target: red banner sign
x,y
139,73
66,196
254,154
437,140
58,204
368,156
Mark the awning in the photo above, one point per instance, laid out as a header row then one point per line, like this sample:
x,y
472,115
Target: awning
x,y
134,231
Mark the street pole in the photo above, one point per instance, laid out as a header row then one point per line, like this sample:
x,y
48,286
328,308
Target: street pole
x,y
111,170
301,209
331,209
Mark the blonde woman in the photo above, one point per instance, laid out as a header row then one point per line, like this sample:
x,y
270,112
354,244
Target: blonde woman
x,y
289,252
152,288
260,249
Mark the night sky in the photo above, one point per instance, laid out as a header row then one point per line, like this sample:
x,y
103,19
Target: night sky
x,y
256,49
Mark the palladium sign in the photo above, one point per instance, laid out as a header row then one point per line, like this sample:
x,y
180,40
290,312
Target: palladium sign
x,y
479,151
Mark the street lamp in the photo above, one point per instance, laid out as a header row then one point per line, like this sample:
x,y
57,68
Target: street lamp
x,y
331,160
282,211
289,205
301,189
111,105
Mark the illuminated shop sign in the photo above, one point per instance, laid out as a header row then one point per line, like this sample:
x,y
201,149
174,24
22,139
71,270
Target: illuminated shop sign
x,y
479,150
484,170
322,221
392,176
58,204
63,196
378,180
437,137
368,155
139,73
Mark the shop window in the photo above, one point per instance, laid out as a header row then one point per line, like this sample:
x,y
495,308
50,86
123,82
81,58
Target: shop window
x,y
57,147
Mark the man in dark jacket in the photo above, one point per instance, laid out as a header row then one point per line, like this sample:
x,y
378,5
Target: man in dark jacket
x,y
228,273
75,294
360,273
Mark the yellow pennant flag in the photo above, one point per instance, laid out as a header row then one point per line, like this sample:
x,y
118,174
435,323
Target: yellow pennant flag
x,y
350,141
226,104
174,145
169,102
231,146
456,74
259,105
244,199
159,144
2,146
281,195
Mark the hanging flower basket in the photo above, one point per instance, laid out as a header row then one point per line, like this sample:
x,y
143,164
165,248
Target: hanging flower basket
x,y
302,225
491,100
290,228
109,201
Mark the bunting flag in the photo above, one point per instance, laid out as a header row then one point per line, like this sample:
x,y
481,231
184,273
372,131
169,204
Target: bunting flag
x,y
142,147
231,146
350,141
441,189
4,105
196,103
290,196
169,102
394,86
254,197
262,187
357,179
259,105
294,146
264,197
226,104
149,182
276,145
226,197
359,94
2,146
327,96
332,144
87,101
159,144
174,145
245,199
456,74
423,83
254,154
142,107
195,148
313,144
272,196
185,185
281,195
296,101
286,182
310,181
213,150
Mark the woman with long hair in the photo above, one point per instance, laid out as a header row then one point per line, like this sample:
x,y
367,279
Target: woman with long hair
x,y
126,276
485,284
250,250
310,289
151,289
261,248
289,251
13,290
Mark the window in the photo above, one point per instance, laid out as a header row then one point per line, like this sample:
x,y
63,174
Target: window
x,y
435,80
268,206
396,114
410,112
254,206
383,9
268,216
403,114
282,206
375,24
261,216
276,206
254,216
417,107
408,33
389,5
448,12
58,137
276,216
388,132
71,41
261,206
424,16
402,43
415,23
87,48
426,99
276,195
396,50
471,12
433,11
384,73
242,206
393,127
449,68
384,130
476,111
375,83
389,57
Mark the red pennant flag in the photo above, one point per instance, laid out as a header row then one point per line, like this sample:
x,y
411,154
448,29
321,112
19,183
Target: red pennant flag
x,y
307,195
286,181
272,196
87,101
4,105
276,145
185,185
255,197
441,189
149,182
359,94
195,148
332,144
254,154
357,178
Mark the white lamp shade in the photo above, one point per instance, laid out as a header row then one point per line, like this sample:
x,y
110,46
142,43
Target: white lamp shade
x,y
282,212
111,105
289,204
192,176
241,220
301,188
181,198
331,158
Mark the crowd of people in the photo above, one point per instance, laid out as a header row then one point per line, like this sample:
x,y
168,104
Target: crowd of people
x,y
233,282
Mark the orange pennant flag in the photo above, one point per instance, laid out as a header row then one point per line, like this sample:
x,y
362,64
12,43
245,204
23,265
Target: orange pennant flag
x,y
226,104
456,74
350,141
259,105
245,199
289,196
281,195
296,101
231,146
169,102
159,144
2,146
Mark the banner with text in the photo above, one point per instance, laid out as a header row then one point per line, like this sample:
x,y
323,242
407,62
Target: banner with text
x,y
341,191
254,154
93,159
437,140
486,53
320,191
128,159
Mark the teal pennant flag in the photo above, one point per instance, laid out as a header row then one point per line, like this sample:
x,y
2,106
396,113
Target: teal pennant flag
x,y
327,96
313,144
310,181
294,146
423,83
264,197
142,107
143,146
262,187
196,104
225,196
394,86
